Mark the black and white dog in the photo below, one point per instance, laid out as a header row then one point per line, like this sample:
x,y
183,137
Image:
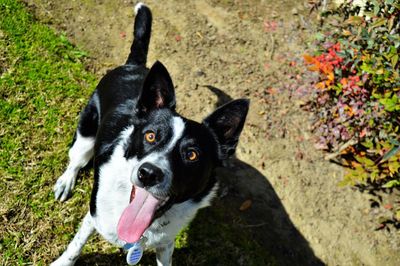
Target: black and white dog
x,y
153,169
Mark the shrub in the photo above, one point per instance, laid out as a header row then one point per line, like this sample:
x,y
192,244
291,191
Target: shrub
x,y
357,95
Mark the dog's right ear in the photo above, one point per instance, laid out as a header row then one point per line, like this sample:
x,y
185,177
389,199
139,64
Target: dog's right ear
x,y
158,90
226,123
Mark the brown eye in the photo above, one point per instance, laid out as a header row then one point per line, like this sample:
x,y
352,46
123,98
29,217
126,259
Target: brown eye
x,y
150,137
192,155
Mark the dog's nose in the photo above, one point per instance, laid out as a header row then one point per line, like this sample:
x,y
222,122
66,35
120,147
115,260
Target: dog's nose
x,y
150,175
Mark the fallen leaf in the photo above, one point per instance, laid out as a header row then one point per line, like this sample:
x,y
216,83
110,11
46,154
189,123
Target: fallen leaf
x,y
270,26
272,91
388,206
245,205
346,33
397,215
178,38
299,155
380,227
308,59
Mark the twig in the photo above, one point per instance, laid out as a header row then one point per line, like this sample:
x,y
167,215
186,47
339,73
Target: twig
x,y
272,50
324,4
330,156
252,225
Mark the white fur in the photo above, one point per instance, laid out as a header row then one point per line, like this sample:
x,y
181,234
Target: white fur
x,y
164,254
137,7
79,155
114,190
178,126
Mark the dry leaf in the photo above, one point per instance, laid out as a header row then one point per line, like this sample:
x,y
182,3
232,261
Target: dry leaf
x,y
245,205
388,206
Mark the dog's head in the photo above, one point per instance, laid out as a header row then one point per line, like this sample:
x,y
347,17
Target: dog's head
x,y
175,157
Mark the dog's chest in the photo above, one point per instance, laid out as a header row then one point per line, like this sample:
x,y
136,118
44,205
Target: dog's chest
x,y
114,189
164,229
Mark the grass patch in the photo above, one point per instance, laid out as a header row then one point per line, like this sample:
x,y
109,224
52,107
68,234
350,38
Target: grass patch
x,y
43,86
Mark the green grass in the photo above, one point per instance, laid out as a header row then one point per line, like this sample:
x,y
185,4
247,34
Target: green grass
x,y
43,86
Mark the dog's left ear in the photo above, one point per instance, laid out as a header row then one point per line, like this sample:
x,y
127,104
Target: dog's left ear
x,y
158,90
227,123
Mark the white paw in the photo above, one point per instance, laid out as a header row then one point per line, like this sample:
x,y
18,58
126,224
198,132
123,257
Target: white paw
x,y
64,185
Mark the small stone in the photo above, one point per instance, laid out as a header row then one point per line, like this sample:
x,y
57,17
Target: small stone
x,y
199,73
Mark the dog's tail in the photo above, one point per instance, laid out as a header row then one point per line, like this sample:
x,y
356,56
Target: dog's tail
x,y
141,36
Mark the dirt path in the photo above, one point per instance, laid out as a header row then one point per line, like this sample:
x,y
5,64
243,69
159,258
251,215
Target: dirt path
x,y
216,50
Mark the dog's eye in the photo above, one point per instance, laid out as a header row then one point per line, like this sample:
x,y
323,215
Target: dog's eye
x,y
150,137
192,155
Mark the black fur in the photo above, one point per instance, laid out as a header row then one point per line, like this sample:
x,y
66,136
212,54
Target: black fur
x,y
142,31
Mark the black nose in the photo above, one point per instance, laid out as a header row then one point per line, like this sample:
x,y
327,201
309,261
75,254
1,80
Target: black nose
x,y
150,175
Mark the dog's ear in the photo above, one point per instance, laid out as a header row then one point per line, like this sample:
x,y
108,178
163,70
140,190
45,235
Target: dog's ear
x,y
158,90
226,123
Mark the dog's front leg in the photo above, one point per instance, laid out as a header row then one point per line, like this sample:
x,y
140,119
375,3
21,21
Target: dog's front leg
x,y
164,254
70,256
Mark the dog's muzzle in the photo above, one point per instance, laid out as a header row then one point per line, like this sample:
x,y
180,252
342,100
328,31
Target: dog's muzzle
x,y
150,175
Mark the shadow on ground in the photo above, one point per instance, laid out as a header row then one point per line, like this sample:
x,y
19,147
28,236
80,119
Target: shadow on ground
x,y
263,234
224,235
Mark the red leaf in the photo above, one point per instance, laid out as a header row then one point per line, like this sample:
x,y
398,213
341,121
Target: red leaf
x,y
388,206
270,26
178,38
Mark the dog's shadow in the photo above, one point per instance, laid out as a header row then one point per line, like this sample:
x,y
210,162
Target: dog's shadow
x,y
249,225
246,225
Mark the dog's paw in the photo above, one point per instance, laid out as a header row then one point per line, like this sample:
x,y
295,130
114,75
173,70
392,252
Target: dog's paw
x,y
64,185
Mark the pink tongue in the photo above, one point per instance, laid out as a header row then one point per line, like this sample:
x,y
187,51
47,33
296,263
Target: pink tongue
x,y
137,216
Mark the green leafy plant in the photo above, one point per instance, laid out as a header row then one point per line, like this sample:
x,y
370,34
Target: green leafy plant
x,y
357,95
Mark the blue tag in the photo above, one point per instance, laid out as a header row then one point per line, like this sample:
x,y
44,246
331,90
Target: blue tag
x,y
127,246
135,251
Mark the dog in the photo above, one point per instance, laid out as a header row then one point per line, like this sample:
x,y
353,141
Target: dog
x,y
153,168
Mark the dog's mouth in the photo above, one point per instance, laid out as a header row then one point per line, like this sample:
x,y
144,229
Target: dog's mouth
x,y
140,213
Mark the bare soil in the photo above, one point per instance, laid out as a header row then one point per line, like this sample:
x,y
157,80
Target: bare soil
x,y
220,50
